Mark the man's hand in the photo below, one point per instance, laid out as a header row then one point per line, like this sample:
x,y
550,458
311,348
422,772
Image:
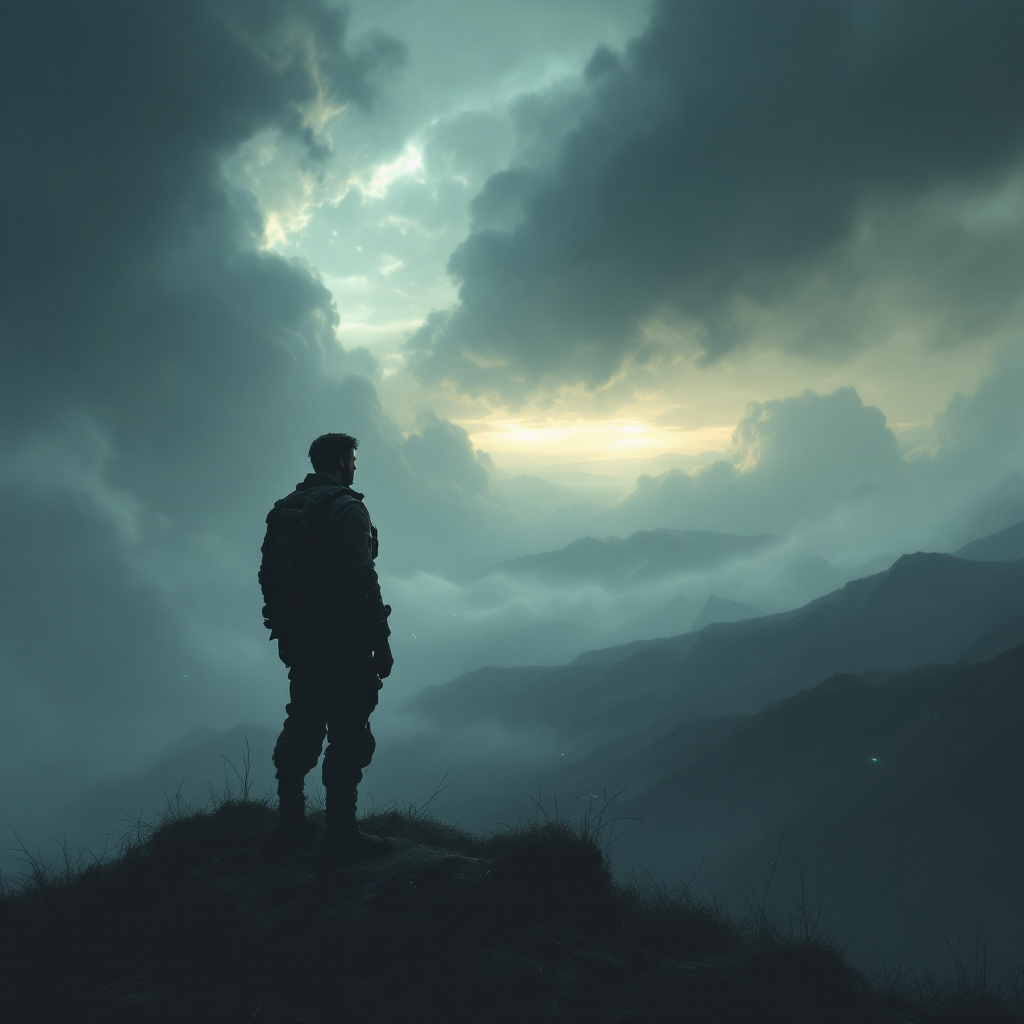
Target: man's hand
x,y
383,662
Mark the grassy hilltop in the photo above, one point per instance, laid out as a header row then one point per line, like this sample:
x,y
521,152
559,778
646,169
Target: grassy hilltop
x,y
203,918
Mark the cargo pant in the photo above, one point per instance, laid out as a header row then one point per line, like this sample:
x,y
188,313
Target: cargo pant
x,y
331,696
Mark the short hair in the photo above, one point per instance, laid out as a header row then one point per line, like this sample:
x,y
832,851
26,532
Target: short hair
x,y
326,451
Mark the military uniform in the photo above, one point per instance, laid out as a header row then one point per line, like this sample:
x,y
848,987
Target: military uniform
x,y
324,608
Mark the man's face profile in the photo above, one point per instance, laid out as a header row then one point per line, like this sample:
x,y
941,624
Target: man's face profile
x,y
347,468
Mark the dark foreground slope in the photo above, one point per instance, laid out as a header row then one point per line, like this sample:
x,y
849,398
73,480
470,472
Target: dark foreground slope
x,y
206,921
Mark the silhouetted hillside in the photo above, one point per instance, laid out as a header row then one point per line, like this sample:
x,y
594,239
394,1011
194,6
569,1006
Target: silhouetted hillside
x,y
901,796
1005,546
646,555
206,920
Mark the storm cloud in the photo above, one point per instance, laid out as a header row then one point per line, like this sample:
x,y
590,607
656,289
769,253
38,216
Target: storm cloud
x,y
783,173
132,280
154,359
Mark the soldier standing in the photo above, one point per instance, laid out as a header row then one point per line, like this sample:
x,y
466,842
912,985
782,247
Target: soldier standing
x,y
323,606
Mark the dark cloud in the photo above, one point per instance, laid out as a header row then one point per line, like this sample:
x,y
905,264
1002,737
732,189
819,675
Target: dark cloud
x,y
132,284
726,159
160,375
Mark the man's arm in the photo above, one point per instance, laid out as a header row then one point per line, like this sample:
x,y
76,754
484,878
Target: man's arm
x,y
350,535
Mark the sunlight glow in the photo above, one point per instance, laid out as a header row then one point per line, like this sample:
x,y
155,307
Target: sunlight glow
x,y
623,437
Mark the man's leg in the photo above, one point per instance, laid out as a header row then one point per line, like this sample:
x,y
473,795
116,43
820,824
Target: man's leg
x,y
350,747
298,747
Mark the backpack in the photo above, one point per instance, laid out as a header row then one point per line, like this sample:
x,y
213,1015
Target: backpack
x,y
294,576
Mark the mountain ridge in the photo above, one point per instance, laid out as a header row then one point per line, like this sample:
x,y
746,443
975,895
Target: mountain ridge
x,y
1005,546
926,608
919,772
642,556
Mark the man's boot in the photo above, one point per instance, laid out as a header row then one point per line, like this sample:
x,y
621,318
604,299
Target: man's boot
x,y
344,840
292,826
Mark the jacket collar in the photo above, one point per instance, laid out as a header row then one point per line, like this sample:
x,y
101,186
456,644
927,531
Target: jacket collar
x,y
326,480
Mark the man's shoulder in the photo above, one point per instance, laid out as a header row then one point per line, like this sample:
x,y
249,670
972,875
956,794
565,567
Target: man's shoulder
x,y
317,488
332,501
324,498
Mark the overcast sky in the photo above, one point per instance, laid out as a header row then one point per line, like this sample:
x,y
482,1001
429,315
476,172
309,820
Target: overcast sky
x,y
748,266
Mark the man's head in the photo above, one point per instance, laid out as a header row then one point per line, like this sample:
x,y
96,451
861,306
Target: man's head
x,y
335,454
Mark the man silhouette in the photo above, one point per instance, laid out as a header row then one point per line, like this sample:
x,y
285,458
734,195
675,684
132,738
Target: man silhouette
x,y
323,606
